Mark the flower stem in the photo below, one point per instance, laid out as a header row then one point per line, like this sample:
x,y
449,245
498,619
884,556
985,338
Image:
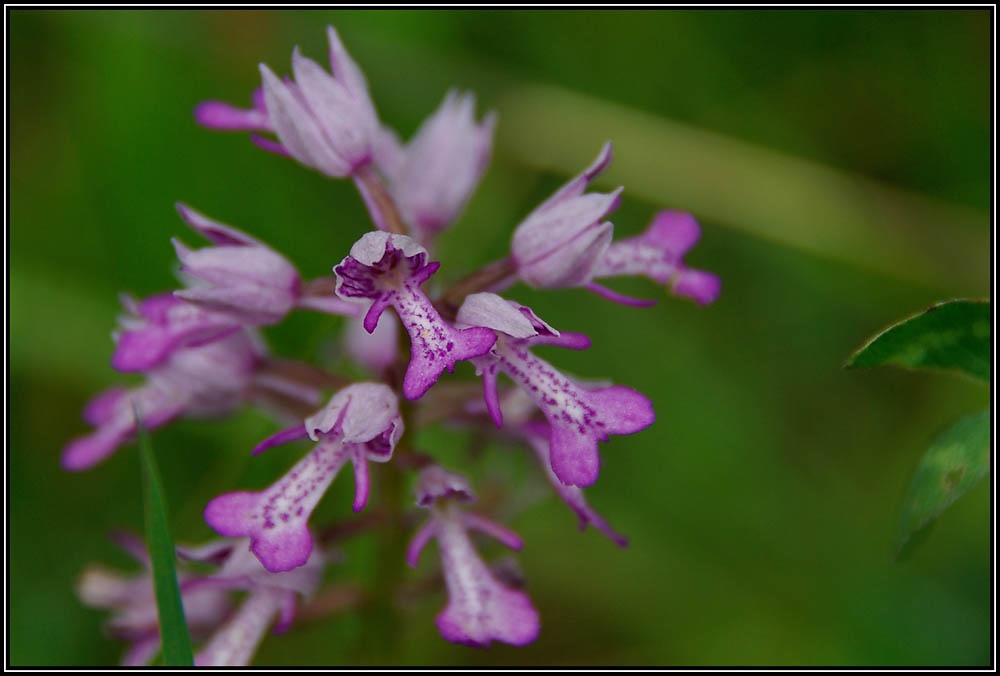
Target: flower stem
x,y
379,641
378,200
380,616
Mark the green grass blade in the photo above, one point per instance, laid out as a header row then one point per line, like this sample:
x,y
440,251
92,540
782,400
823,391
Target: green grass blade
x,y
957,460
173,626
949,336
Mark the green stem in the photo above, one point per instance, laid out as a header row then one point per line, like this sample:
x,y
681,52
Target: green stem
x,y
380,626
379,201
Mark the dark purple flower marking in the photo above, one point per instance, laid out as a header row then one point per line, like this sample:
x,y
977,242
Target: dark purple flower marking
x,y
387,270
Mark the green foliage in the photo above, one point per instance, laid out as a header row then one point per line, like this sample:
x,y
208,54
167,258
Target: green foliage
x,y
949,336
173,627
954,463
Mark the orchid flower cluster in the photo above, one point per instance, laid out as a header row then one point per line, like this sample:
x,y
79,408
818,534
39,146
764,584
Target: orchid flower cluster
x,y
201,355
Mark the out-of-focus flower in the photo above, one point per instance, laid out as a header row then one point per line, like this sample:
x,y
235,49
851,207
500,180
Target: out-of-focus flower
x,y
272,596
360,423
387,270
132,600
433,177
324,121
232,637
376,350
204,381
157,326
239,276
579,418
238,283
480,609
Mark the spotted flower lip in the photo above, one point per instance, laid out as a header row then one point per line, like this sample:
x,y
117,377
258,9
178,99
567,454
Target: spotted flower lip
x,y
480,608
658,255
433,177
386,270
324,121
579,418
239,276
360,423
559,243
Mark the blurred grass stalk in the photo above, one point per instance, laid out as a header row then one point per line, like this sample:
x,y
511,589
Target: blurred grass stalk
x,y
791,201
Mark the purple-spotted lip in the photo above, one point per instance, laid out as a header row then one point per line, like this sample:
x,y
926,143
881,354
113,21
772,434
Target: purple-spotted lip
x,y
382,260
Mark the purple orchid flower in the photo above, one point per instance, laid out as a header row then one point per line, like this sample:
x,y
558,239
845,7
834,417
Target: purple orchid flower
x,y
559,243
432,178
243,278
325,122
158,326
658,255
537,435
205,381
239,276
360,423
480,609
387,270
230,638
132,600
271,600
519,424
579,418
240,282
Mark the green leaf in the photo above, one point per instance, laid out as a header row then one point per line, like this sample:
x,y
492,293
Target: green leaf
x,y
956,460
950,336
173,626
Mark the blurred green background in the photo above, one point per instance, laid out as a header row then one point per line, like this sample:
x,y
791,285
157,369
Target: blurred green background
x,y
839,164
